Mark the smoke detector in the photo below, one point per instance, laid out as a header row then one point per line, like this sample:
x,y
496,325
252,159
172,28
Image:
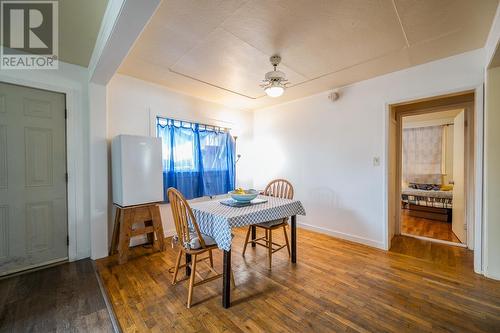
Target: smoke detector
x,y
334,95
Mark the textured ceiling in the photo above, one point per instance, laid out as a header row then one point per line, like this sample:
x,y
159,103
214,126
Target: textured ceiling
x,y
79,23
219,49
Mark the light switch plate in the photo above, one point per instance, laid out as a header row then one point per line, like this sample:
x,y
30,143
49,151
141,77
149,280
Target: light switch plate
x,y
376,161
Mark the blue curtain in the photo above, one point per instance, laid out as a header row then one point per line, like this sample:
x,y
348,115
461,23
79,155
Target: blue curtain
x,y
198,160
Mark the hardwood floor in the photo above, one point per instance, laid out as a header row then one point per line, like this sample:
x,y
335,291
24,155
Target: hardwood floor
x,y
64,298
335,286
427,228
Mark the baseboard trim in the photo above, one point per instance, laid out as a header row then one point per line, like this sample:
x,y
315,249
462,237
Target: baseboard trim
x,y
491,276
342,235
142,239
169,232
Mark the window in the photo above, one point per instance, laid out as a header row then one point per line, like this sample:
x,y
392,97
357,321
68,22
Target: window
x,y
423,155
198,159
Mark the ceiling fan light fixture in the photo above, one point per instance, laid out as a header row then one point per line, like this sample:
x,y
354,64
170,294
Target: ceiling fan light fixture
x,y
274,91
275,81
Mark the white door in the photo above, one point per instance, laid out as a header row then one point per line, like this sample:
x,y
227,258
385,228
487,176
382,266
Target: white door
x,y
458,216
33,218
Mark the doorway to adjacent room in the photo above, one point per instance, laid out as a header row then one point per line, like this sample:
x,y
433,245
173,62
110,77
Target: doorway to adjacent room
x,y
432,178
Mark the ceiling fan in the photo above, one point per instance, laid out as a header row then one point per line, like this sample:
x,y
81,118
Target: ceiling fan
x,y
275,81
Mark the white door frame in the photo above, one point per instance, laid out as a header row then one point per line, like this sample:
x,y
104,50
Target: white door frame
x,y
475,234
73,162
468,109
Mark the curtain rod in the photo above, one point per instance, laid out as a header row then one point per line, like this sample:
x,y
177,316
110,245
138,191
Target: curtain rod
x,y
195,122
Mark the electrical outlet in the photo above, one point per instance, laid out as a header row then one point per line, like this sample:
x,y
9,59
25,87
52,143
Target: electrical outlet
x,y
376,161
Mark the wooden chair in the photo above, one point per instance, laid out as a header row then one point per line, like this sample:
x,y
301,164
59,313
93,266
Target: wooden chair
x,y
192,243
280,188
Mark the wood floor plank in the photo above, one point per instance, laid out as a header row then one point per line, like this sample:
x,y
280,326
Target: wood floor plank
x,y
419,226
336,286
63,298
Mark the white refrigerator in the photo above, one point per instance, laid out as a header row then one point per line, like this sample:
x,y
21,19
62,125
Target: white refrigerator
x,y
136,165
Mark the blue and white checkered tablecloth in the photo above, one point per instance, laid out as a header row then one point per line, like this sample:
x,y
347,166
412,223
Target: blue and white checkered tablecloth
x,y
216,220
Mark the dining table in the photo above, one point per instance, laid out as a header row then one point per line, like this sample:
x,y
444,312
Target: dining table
x,y
217,221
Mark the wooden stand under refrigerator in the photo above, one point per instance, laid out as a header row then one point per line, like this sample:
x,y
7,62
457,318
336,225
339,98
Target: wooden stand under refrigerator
x,y
147,221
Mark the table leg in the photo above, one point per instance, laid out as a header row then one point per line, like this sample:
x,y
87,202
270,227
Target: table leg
x,y
226,280
188,268
254,234
294,238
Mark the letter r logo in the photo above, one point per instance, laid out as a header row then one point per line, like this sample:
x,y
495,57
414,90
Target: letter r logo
x,y
27,26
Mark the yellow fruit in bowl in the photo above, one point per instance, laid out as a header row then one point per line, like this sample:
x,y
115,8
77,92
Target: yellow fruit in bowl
x,y
239,190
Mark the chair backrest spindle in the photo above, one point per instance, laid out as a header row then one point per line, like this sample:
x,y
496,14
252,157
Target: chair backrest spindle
x,y
280,188
183,215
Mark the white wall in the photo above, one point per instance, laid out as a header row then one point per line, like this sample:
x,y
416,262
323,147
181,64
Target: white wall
x,y
327,149
98,169
492,175
71,80
491,231
134,104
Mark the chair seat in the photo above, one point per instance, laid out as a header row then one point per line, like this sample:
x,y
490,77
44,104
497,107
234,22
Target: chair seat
x,y
272,223
195,243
